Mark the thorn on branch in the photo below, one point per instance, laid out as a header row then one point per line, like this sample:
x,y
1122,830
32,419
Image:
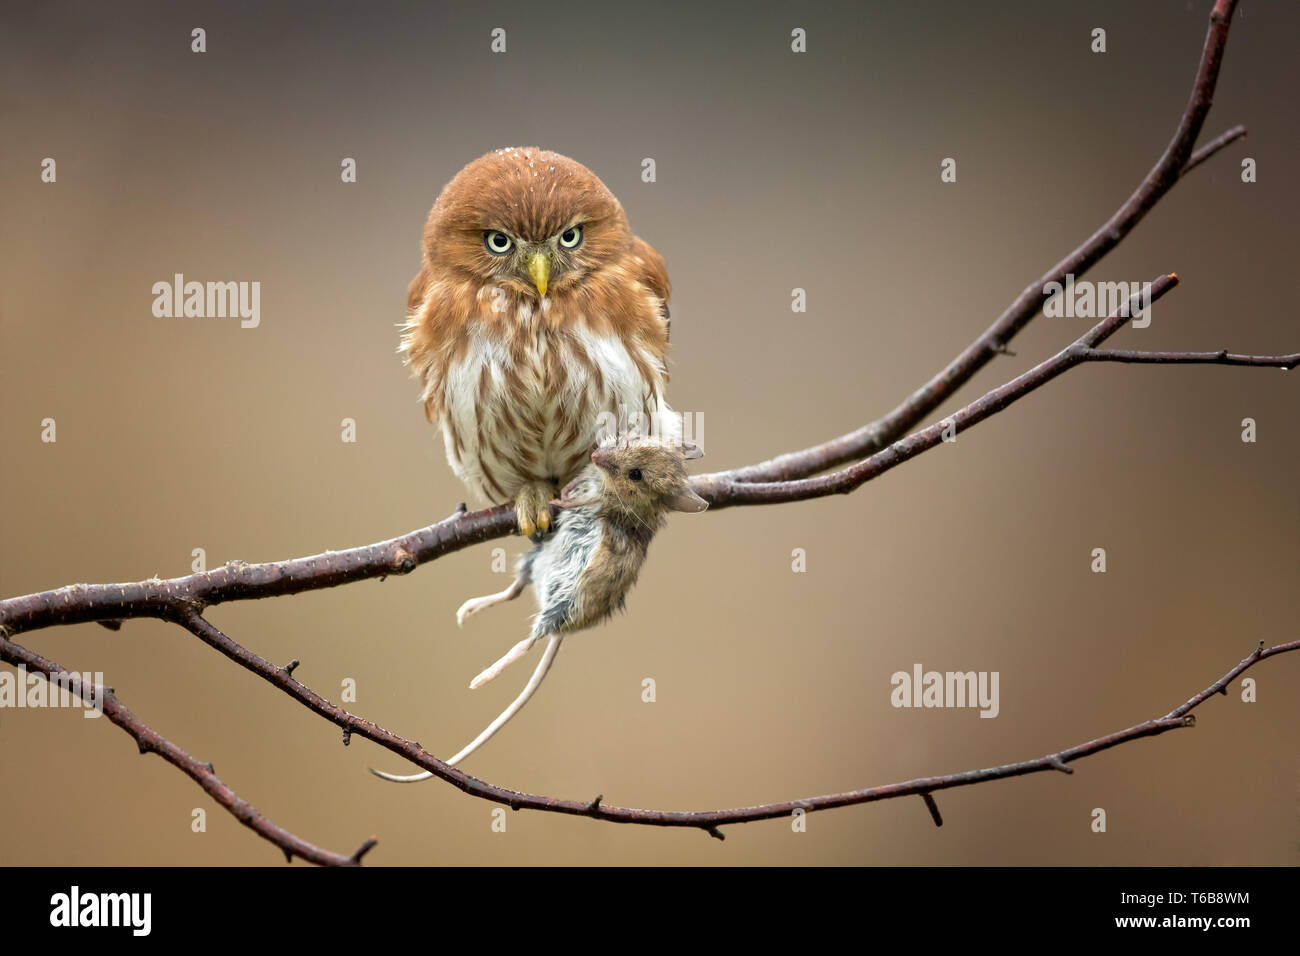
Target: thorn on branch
x,y
933,808
111,625
1056,761
210,768
347,736
594,807
363,850
288,857
290,667
1189,720
1001,348
714,832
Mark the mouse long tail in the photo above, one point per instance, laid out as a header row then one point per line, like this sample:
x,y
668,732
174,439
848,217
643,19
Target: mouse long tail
x,y
539,674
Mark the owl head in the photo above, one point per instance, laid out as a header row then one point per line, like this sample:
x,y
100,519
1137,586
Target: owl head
x,y
526,219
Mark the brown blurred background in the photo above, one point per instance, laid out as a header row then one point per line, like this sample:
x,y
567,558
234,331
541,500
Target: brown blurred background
x,y
775,170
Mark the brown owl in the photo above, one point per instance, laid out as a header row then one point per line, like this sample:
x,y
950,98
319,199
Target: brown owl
x,y
536,321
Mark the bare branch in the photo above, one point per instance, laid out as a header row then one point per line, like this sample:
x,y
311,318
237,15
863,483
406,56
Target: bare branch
x,y
1221,357
1213,146
722,493
149,741
1176,162
237,581
707,820
176,597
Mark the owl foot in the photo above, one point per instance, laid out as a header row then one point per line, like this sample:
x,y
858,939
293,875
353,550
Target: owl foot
x,y
533,509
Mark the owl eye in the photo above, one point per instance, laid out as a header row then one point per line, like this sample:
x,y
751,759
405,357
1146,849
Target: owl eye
x,y
498,243
632,473
571,238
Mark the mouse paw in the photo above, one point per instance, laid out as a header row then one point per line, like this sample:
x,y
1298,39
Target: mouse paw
x,y
470,608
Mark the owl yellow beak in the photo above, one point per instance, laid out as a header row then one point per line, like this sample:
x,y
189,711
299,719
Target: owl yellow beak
x,y
539,270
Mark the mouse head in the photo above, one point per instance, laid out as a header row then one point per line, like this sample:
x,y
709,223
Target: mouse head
x,y
646,476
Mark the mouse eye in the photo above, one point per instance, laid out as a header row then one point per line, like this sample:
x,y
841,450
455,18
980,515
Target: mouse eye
x,y
498,243
634,474
571,238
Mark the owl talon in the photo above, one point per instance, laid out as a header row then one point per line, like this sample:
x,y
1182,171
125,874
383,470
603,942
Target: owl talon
x,y
533,510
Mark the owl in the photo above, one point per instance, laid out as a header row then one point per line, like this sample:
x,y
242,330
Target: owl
x,y
537,323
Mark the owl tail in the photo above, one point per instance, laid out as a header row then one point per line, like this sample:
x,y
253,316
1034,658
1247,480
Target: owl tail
x,y
539,674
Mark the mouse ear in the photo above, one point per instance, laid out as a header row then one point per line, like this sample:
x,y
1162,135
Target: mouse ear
x,y
691,450
581,502
568,490
684,499
574,495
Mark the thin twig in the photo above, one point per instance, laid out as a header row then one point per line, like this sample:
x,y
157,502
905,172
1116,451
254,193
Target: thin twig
x,y
853,477
1221,357
1176,161
1213,146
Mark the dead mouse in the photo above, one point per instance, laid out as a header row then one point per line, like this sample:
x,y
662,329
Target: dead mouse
x,y
582,573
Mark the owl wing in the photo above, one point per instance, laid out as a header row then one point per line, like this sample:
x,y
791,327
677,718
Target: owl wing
x,y
415,291
651,271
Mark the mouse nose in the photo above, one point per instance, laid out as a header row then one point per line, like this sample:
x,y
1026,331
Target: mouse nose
x,y
600,457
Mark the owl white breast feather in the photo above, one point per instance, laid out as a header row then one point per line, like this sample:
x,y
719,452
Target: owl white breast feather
x,y
515,415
